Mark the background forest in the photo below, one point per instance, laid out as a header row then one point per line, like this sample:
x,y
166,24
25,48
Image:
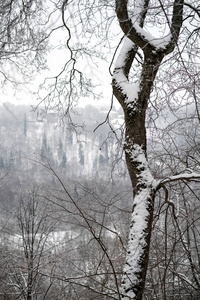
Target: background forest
x,y
63,216
66,206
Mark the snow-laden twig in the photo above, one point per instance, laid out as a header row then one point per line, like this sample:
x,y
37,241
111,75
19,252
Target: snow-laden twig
x,y
186,175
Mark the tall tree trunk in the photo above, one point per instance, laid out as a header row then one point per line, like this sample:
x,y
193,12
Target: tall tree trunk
x,y
134,98
142,181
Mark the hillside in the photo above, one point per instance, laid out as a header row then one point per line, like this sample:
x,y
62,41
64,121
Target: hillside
x,y
76,149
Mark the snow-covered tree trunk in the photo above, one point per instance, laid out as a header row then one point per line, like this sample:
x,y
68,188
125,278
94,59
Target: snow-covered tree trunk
x,y
134,97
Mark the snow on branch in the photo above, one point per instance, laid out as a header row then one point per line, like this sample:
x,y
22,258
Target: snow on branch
x,y
133,26
130,89
184,278
188,175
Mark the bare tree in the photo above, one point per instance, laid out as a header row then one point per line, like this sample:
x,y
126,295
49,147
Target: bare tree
x,y
29,256
157,36
23,41
134,98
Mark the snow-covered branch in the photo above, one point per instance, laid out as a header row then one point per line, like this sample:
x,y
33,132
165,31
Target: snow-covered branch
x,y
120,79
131,26
188,175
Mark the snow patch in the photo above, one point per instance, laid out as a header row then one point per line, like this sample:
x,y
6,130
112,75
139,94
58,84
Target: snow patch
x,y
158,43
139,222
137,155
130,89
137,242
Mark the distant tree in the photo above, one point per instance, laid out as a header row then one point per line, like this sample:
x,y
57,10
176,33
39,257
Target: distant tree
x,y
11,159
60,145
64,161
106,150
69,136
102,160
25,125
29,260
44,147
81,154
2,164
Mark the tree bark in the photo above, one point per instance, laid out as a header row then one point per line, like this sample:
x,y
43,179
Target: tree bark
x,y
134,98
142,181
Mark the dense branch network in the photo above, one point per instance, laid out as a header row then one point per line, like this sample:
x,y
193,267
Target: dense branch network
x,y
133,84
134,98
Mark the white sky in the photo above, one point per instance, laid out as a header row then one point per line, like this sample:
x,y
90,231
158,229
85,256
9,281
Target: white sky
x,y
27,94
56,60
